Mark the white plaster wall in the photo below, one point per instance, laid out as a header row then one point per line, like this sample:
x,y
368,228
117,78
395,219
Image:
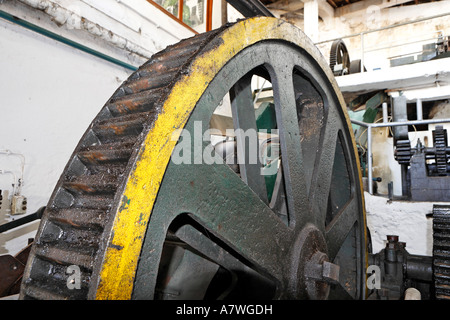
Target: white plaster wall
x,y
136,27
49,95
407,219
50,92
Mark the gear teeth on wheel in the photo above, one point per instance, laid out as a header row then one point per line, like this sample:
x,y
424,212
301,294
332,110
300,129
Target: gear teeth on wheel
x,y
117,152
402,152
144,84
125,126
440,144
441,251
72,227
79,218
134,103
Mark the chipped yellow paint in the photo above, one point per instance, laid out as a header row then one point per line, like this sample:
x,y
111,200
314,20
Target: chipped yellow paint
x,y
130,223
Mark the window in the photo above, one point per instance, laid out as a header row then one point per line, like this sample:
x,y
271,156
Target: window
x,y
196,15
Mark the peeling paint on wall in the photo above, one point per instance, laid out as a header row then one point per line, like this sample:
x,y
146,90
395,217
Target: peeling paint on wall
x,y
66,17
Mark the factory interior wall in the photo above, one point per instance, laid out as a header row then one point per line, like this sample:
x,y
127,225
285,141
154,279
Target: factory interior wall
x,y
51,92
49,95
383,44
384,217
406,219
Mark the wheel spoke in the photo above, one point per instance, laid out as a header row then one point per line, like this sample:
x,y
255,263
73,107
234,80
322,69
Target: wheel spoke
x,y
244,121
217,199
321,181
291,149
348,260
201,241
175,227
241,220
311,116
339,292
341,225
246,280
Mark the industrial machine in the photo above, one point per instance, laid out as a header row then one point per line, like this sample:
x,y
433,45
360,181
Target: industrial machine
x,y
166,198
425,170
339,58
430,51
127,221
429,172
340,62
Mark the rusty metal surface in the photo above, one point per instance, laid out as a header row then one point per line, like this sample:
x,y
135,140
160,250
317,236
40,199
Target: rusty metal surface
x,y
77,223
11,271
293,258
73,228
441,251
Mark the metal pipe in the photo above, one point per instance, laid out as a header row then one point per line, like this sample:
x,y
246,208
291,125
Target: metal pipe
x,y
401,45
362,52
419,109
64,40
396,124
369,160
22,168
385,112
419,267
14,177
21,221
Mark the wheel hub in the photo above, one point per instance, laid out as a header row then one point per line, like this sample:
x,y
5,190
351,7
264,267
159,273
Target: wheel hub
x,y
311,270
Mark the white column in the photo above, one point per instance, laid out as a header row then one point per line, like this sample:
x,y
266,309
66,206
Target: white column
x,y
311,20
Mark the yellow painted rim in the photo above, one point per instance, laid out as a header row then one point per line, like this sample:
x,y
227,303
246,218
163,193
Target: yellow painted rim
x,y
130,223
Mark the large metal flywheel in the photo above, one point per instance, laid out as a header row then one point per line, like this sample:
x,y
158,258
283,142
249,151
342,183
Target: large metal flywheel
x,y
225,167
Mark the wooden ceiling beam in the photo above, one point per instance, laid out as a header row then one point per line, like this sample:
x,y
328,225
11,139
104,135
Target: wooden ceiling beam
x,y
332,3
289,5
